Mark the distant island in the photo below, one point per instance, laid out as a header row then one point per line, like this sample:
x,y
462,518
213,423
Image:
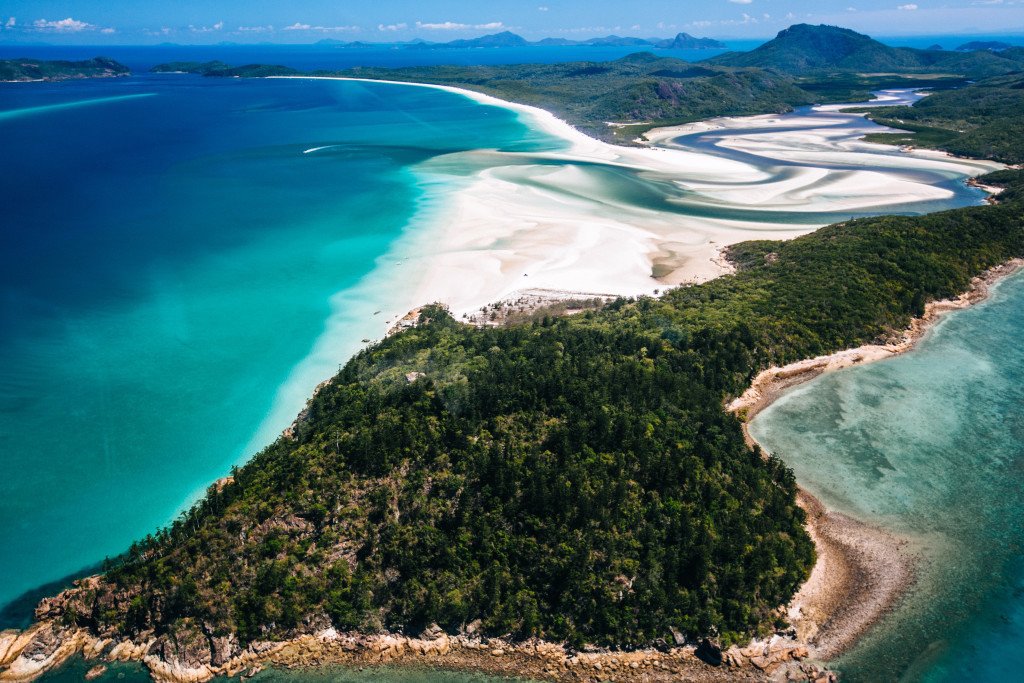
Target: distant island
x,y
218,68
804,49
25,69
992,45
681,41
802,65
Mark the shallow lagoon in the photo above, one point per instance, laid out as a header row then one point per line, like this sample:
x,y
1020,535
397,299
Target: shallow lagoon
x,y
929,445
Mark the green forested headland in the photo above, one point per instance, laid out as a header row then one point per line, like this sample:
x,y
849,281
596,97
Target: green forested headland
x,y
572,478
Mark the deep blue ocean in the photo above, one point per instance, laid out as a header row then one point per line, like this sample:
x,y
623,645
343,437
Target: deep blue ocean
x,y
168,256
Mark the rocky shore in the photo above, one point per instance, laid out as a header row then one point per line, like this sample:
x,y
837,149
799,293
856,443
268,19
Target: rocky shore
x,y
197,657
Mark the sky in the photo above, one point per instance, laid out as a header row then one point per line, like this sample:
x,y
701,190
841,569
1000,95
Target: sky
x,y
98,22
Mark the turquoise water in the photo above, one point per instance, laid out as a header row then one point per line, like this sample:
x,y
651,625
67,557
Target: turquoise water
x,y
75,670
931,446
168,257
183,259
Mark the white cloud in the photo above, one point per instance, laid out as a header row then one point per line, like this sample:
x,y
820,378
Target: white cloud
x,y
206,29
909,8
256,29
323,29
163,31
455,26
392,27
68,25
441,26
10,23
542,8
108,30
741,2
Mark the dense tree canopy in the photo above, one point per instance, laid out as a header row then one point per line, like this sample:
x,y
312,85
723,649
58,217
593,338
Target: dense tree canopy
x,y
576,478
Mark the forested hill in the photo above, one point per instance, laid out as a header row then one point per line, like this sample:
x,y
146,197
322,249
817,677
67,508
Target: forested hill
x,y
803,65
641,87
576,478
637,88
26,69
804,49
982,120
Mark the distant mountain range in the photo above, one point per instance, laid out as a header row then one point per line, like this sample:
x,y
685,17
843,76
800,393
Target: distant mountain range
x,y
682,41
803,49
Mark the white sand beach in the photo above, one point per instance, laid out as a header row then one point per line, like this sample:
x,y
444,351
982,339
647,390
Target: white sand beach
x,y
527,226
553,221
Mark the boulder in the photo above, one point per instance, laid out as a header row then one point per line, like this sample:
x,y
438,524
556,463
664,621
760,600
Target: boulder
x,y
432,632
95,672
709,652
223,648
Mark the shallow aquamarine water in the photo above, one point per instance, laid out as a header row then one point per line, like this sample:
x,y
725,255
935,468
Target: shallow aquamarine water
x,y
76,669
168,257
931,446
183,259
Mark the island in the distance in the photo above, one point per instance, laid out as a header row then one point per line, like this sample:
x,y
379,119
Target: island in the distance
x,y
618,101
681,41
27,70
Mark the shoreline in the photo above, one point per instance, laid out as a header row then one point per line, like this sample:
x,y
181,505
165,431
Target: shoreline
x,y
862,572
515,226
769,385
39,649
46,646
